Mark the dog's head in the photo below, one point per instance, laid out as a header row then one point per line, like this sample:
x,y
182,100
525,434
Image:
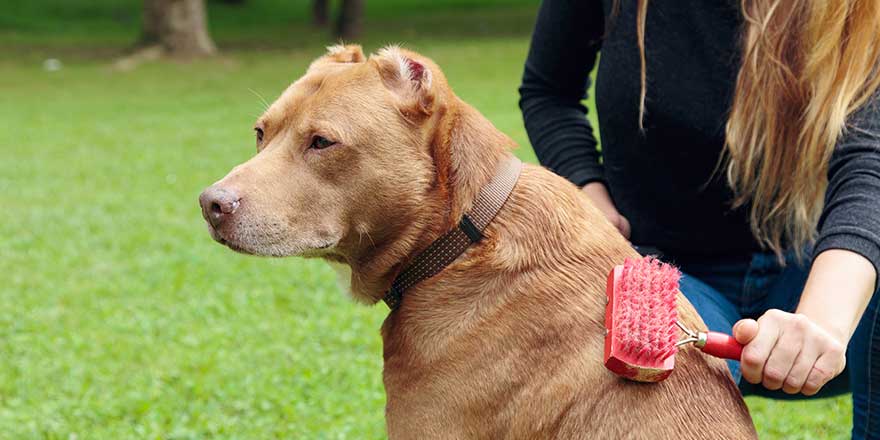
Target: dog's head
x,y
341,150
349,158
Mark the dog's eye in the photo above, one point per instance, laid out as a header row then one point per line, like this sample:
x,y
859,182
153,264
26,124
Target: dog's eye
x,y
259,132
320,143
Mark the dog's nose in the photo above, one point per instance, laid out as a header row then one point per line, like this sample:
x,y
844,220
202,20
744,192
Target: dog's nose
x,y
218,204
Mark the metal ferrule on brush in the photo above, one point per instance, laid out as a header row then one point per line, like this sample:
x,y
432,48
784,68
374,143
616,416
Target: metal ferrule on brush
x,y
699,339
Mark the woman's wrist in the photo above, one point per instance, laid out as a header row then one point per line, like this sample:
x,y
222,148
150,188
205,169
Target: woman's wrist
x,y
838,290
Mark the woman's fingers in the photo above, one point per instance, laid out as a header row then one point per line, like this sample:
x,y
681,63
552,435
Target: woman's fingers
x,y
756,352
782,357
829,365
788,351
817,379
794,383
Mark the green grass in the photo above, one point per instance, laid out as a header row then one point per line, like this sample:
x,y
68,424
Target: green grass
x,y
120,317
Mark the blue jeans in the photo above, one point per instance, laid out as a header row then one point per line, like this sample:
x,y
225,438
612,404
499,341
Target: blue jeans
x,y
725,291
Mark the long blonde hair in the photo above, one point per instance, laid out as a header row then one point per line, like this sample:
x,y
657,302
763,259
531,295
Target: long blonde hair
x,y
806,66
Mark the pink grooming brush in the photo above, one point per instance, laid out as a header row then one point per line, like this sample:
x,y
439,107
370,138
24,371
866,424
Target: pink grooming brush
x,y
641,322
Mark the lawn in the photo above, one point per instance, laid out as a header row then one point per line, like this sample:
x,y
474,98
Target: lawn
x,y
121,318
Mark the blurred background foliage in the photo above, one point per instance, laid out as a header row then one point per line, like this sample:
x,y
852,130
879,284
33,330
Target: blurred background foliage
x,y
265,24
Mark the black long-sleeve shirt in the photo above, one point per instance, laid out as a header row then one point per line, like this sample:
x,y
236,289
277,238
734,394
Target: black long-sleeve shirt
x,y
664,180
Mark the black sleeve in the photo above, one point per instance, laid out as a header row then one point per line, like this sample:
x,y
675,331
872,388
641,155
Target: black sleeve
x,y
565,43
851,217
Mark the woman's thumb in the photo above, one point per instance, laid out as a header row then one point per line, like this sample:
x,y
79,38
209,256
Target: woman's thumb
x,y
745,330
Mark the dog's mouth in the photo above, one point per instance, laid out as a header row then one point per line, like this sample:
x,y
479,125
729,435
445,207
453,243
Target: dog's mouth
x,y
232,245
308,249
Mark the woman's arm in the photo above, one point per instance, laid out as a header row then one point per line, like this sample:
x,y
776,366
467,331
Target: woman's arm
x,y
840,285
801,352
565,44
563,51
851,217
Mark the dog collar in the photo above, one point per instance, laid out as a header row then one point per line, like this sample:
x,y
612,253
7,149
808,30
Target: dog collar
x,y
443,251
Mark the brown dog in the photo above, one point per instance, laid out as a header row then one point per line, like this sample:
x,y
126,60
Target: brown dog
x,y
365,162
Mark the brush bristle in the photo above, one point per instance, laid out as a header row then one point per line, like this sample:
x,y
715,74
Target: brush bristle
x,y
645,311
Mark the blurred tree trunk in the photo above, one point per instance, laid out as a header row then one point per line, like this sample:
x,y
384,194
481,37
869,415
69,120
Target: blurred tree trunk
x,y
150,29
180,27
348,23
319,13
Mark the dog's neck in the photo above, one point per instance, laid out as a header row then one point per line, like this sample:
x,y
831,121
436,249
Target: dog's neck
x,y
466,149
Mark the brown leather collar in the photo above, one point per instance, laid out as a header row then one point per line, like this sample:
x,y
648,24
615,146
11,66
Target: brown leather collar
x,y
446,249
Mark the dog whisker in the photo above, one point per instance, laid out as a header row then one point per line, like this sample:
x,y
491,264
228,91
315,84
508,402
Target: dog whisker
x,y
263,100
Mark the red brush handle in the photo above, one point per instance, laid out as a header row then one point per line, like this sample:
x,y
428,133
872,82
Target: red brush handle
x,y
723,346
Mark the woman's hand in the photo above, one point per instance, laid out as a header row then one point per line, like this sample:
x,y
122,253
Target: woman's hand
x,y
801,352
598,194
789,351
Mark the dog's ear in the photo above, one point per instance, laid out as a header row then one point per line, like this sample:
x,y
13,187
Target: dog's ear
x,y
351,53
339,53
407,77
